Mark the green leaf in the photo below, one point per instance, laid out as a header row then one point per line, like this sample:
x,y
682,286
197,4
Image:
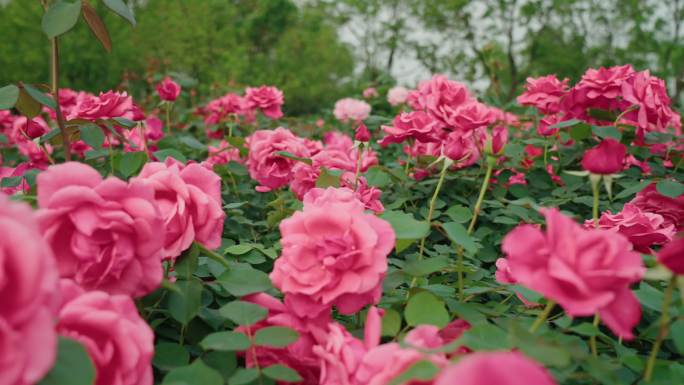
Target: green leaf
x,y
629,191
225,341
566,123
459,235
425,308
585,329
677,334
169,355
391,322
243,313
420,371
607,132
191,142
186,264
40,96
121,9
292,156
26,105
281,373
580,131
405,225
242,280
73,365
196,373
131,162
458,213
243,376
375,176
60,17
11,181
186,302
276,336
423,267
240,249
124,122
485,336
170,152
8,96
670,188
328,178
92,135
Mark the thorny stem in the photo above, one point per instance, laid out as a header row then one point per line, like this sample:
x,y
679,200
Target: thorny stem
x,y
54,75
663,330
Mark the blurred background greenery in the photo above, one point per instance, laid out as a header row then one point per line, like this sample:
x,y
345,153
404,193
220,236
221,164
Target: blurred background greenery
x,y
320,50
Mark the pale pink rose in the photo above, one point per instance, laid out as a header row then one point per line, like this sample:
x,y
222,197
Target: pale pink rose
x,y
189,198
544,93
223,154
271,170
106,234
168,90
643,229
370,92
29,297
105,106
500,368
333,254
298,355
397,95
351,109
268,99
416,125
440,96
338,140
119,342
671,209
584,271
469,116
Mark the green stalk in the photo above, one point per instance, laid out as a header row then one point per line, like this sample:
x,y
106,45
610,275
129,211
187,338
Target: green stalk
x,y
433,201
483,190
592,339
663,330
542,316
595,179
54,77
213,255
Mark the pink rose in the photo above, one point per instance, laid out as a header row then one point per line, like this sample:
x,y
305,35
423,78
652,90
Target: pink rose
x,y
13,172
671,209
585,271
29,296
544,93
338,140
168,90
367,194
271,170
118,341
362,134
606,158
495,141
218,110
332,254
106,234
672,256
154,128
385,362
351,109
469,116
223,154
397,95
643,229
107,105
500,368
545,126
416,125
189,198
268,99
462,148
370,92
440,96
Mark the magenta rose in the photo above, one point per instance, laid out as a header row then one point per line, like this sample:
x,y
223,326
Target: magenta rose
x,y
267,99
189,198
643,229
462,148
584,271
119,342
470,116
544,93
168,90
671,209
271,170
361,133
333,254
489,368
106,234
654,107
416,125
29,297
672,256
439,97
606,158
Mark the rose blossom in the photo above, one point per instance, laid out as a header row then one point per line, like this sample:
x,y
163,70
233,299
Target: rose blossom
x,y
370,92
351,109
469,116
606,158
189,198
462,148
545,126
671,209
672,256
119,342
106,234
440,96
223,154
653,113
271,170
500,368
168,90
643,229
362,134
397,95
107,105
585,271
416,125
267,99
544,93
332,254
28,293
